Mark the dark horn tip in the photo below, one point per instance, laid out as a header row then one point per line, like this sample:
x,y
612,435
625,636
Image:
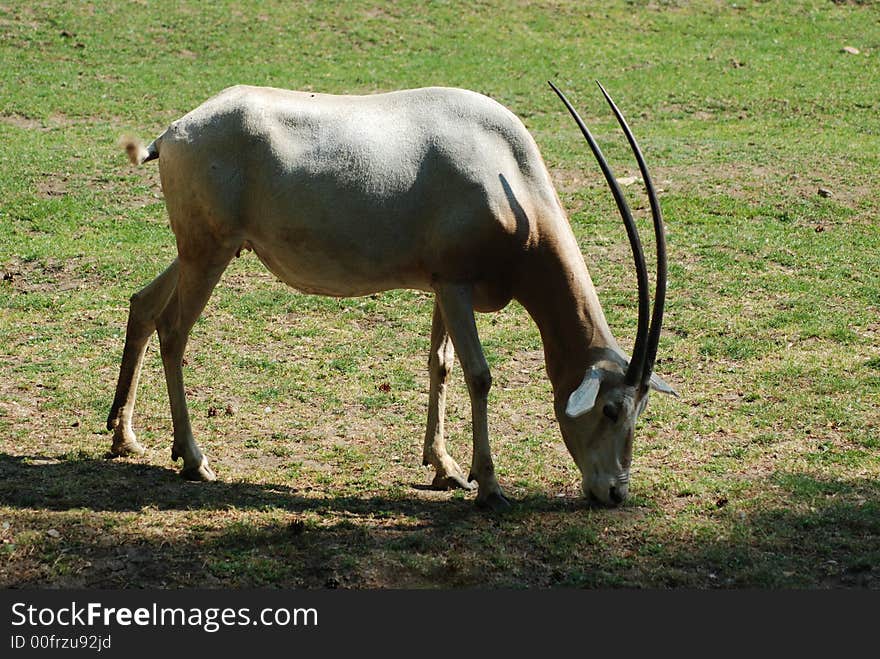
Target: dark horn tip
x,y
605,92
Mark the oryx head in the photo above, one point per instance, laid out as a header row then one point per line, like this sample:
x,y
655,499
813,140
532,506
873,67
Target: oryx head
x,y
597,417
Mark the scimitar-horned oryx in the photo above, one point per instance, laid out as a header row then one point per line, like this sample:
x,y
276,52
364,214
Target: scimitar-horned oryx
x,y
434,189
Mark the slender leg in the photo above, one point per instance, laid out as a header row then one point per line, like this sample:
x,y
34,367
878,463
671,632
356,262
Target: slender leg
x,y
146,305
456,304
447,472
195,283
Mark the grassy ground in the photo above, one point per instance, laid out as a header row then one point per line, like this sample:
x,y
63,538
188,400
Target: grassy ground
x,y
763,474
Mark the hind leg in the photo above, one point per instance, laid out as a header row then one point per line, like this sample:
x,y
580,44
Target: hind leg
x,y
146,306
196,281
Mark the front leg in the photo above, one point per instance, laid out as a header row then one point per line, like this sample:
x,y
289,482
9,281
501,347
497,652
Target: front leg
x,y
456,305
447,472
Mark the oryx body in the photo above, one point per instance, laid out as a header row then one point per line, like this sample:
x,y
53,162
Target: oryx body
x,y
435,189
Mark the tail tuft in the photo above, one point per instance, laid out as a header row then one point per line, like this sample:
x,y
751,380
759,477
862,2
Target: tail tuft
x,y
137,152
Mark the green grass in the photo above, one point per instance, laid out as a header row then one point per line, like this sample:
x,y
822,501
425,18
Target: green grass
x,y
764,473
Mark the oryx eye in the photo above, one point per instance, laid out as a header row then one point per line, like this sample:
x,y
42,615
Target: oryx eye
x,y
611,411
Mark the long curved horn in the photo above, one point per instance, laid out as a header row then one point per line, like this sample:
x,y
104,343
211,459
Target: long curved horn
x,y
635,370
660,239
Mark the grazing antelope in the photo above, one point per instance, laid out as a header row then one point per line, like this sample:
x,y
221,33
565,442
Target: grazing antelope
x,y
433,189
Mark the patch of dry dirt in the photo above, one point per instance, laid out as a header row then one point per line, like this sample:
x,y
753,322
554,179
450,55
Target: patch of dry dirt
x,y
39,277
54,121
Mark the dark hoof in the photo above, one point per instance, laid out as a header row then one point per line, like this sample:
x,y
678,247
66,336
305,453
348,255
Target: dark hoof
x,y
496,502
452,482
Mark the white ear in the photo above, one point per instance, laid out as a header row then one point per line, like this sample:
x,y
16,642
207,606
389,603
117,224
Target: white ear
x,y
658,384
583,398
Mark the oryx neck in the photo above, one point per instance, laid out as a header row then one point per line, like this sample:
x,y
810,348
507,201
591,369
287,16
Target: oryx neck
x,y
557,291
